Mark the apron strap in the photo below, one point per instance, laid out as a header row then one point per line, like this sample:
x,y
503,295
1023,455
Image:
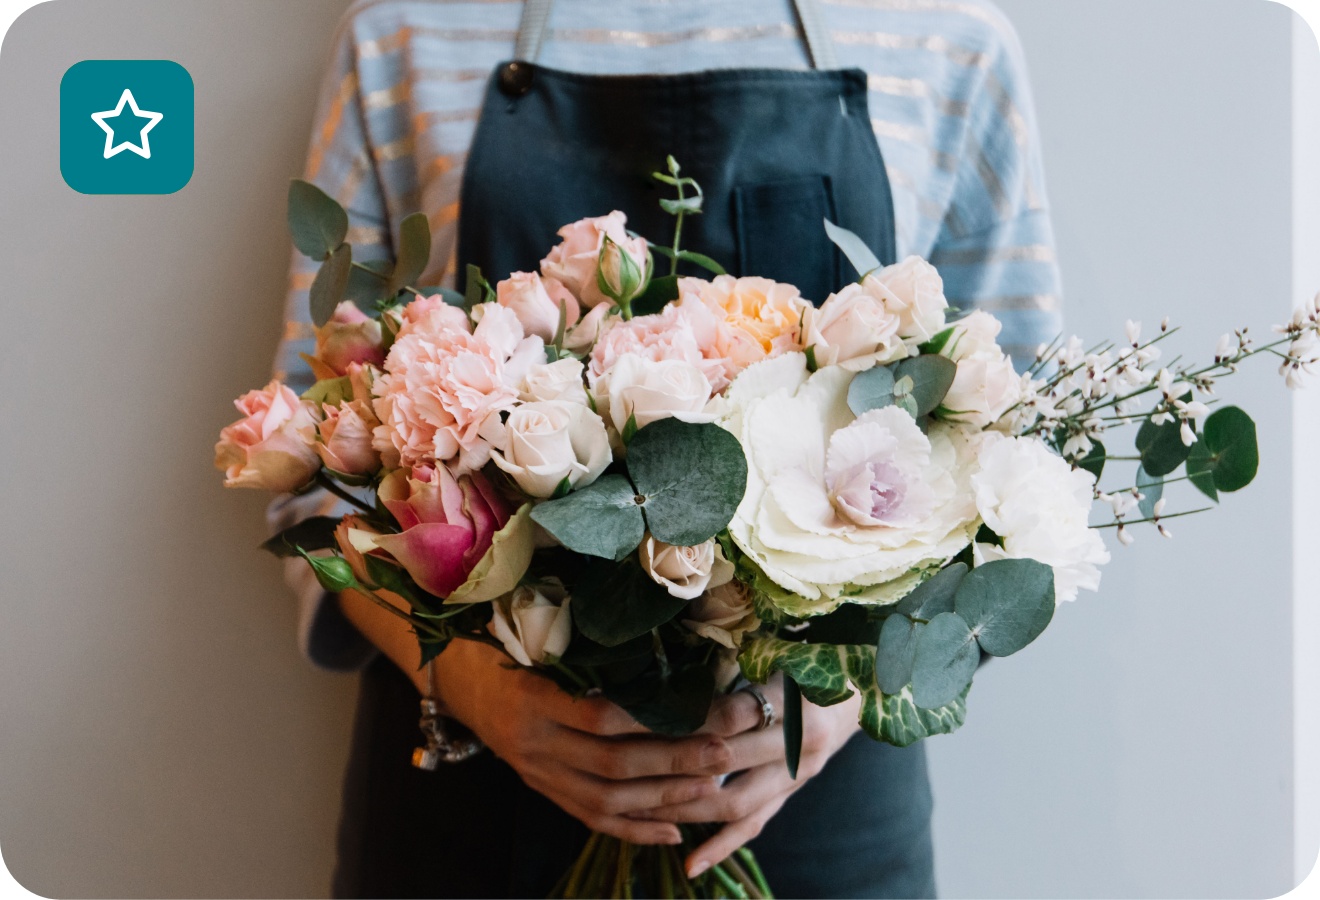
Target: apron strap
x,y
536,16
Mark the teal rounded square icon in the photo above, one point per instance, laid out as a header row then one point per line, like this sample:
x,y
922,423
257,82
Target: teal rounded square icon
x,y
126,126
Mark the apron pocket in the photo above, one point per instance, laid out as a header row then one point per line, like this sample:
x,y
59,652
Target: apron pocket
x,y
781,236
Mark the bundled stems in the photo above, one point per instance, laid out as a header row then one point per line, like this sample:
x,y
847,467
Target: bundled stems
x,y
609,867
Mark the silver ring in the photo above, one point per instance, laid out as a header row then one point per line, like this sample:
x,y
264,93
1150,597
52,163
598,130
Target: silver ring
x,y
767,708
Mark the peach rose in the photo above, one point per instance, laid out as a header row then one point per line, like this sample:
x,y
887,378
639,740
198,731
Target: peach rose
x,y
575,260
267,448
854,329
345,438
536,301
349,337
740,321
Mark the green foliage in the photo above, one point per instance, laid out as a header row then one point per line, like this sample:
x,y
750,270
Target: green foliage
x,y
330,391
414,252
1094,460
872,389
691,478
602,519
1226,458
698,259
938,342
478,288
1161,446
792,726
817,668
896,652
1151,489
367,282
931,376
309,535
894,718
853,247
330,284
672,706
386,576
944,661
614,602
660,291
1006,604
317,223
934,595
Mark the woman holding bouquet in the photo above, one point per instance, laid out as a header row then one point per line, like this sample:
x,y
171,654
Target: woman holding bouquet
x,y
907,122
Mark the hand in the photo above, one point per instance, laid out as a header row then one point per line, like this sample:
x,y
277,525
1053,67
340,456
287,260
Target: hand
x,y
587,755
748,800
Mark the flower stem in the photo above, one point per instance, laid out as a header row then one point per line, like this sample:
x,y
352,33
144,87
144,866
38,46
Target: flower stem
x,y
326,482
1190,512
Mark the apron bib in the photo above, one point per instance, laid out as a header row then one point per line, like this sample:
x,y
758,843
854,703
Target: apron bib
x,y
775,152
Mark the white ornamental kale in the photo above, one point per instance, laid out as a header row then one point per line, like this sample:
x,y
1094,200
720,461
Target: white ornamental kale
x,y
840,507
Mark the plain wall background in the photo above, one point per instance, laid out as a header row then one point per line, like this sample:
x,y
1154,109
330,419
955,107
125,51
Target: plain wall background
x,y
160,736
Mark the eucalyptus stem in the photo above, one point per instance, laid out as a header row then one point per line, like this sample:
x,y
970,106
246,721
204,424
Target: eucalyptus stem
x,y
383,277
1190,512
678,228
328,483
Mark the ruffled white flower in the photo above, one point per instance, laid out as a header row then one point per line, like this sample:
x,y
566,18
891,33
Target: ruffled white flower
x,y
839,507
1039,505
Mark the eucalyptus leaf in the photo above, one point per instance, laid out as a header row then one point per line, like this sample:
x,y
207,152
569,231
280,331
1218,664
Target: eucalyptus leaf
x,y
931,375
1227,451
330,284
614,602
1094,460
934,595
602,519
853,247
317,223
688,205
315,533
895,653
414,252
895,718
1161,447
1007,603
872,389
367,285
690,477
702,260
1151,489
945,660
1200,470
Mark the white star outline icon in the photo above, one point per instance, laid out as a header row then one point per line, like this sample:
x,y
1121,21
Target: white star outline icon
x,y
111,148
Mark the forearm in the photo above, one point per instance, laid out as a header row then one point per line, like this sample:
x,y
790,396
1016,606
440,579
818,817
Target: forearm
x,y
389,633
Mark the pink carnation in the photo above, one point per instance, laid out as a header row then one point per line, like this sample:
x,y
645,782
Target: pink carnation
x,y
444,388
670,334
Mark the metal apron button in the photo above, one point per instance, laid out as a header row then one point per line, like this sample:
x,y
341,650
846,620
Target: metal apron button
x,y
515,79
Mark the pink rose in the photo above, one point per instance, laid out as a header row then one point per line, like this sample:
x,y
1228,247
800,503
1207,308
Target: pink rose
x,y
435,310
443,388
536,302
267,448
349,337
856,330
575,260
448,525
345,438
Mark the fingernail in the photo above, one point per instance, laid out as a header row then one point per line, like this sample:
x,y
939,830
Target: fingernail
x,y
697,868
675,838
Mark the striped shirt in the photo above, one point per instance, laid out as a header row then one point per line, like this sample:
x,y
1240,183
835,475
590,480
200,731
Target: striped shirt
x,y
950,108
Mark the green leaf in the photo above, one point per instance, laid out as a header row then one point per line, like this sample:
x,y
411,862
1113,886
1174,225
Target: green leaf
x,y
691,478
583,651
317,223
938,342
1094,460
366,285
1151,489
476,287
1007,603
810,354
1226,458
414,252
330,391
674,707
1161,447
817,668
629,430
614,602
934,595
702,259
853,247
660,291
792,727
431,647
895,653
945,661
872,389
894,718
387,576
329,285
316,533
932,376
687,205
602,519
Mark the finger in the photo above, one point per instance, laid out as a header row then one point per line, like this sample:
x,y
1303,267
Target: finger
x,y
756,748
624,798
741,711
621,759
637,831
593,715
740,798
728,839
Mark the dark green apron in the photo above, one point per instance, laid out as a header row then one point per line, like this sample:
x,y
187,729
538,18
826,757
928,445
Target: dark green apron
x,y
776,152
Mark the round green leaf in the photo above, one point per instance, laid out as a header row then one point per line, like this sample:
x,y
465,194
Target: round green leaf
x,y
895,652
944,662
602,519
872,389
317,223
931,375
1151,489
690,479
1094,460
1200,470
934,595
1006,603
329,284
413,254
1161,447
1227,450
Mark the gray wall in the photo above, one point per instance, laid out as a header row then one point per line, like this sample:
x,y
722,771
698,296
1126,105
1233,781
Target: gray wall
x,y
160,735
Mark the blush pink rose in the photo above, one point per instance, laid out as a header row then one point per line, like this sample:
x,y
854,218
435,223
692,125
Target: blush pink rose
x,y
443,388
448,523
668,335
268,447
741,321
345,435
577,257
536,301
349,337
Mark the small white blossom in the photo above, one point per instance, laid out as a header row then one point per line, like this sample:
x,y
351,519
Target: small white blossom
x,y
1124,536
1159,507
1133,330
1187,434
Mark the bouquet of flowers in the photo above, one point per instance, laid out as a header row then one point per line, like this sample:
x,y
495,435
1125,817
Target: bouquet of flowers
x,y
649,485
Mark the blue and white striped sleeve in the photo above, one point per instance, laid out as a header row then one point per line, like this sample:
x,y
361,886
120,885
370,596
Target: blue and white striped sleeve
x,y
995,248
340,162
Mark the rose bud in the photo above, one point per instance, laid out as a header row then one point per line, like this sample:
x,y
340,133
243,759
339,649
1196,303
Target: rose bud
x,y
349,337
577,257
268,447
533,623
686,572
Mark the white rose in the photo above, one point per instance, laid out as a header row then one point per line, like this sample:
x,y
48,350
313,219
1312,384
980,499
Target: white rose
x,y
649,390
986,384
685,571
559,380
537,303
1040,506
913,291
545,442
723,614
854,329
533,623
839,507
